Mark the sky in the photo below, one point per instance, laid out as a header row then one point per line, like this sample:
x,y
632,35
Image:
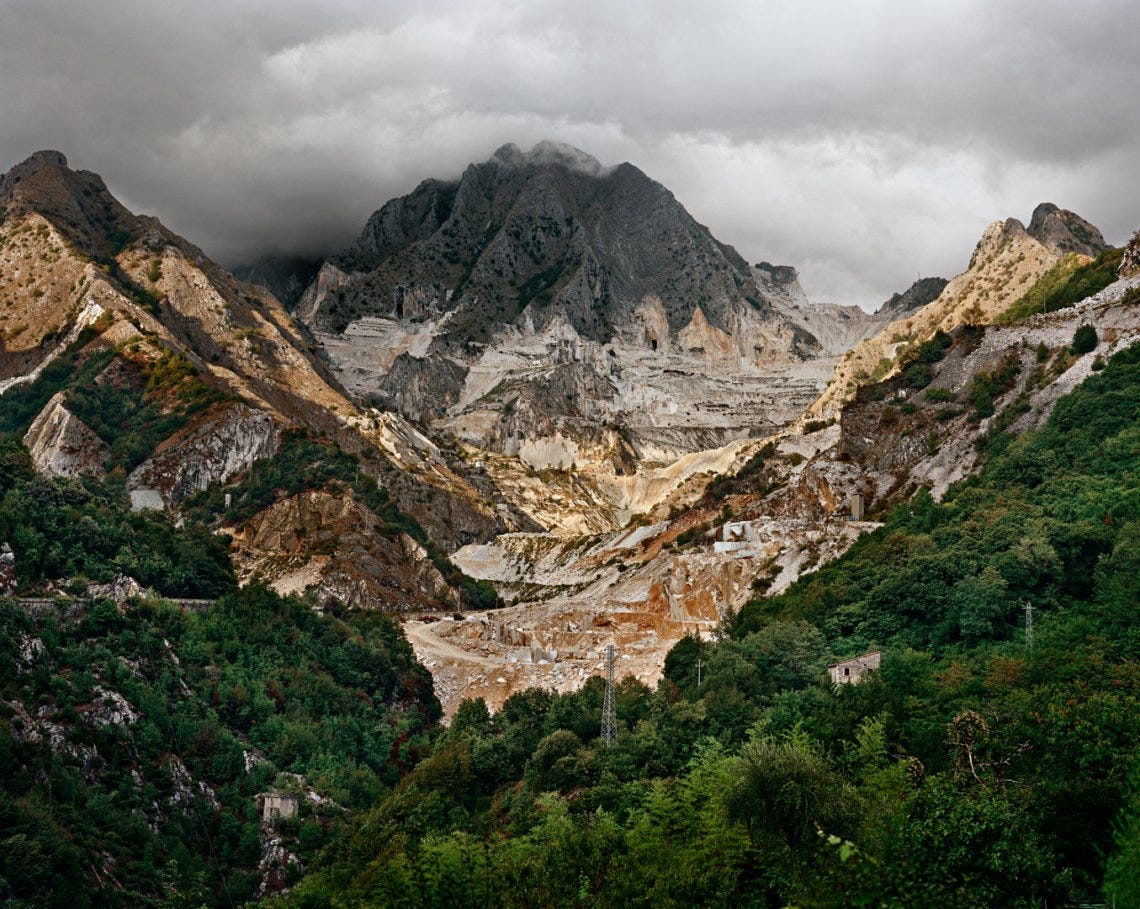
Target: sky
x,y
865,143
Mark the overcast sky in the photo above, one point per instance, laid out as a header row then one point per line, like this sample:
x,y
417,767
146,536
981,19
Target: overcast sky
x,y
865,143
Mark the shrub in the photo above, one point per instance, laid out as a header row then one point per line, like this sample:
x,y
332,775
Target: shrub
x,y
1084,340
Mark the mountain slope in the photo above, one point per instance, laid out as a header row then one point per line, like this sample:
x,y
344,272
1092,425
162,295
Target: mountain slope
x,y
777,510
1007,261
125,350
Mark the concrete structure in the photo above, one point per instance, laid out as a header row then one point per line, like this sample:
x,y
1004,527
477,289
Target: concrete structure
x,y
849,672
277,806
857,507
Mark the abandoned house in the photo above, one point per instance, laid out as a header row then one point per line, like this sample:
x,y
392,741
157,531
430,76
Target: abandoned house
x,y
277,806
850,671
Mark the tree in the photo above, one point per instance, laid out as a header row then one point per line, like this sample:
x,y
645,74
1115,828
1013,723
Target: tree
x,y
1084,340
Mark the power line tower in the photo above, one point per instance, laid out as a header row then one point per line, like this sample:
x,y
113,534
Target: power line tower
x,y
609,713
1029,626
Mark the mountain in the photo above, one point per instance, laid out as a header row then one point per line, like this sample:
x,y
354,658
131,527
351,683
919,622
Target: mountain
x,y
985,757
759,515
125,353
546,307
1006,263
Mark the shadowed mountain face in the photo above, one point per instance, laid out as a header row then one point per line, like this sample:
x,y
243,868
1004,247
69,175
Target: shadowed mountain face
x,y
1062,231
458,300
533,237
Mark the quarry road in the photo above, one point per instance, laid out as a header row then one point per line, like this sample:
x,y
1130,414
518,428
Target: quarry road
x,y
426,643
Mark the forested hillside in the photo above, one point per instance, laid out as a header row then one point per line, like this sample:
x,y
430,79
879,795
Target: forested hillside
x,y
133,744
135,738
970,770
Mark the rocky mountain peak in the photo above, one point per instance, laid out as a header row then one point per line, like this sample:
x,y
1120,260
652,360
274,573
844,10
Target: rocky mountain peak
x,y
29,166
1063,232
549,153
458,298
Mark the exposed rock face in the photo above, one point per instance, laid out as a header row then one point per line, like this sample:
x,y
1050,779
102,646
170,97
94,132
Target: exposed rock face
x,y
1007,261
889,427
226,444
1130,261
120,590
544,282
1063,232
639,589
63,445
332,544
8,579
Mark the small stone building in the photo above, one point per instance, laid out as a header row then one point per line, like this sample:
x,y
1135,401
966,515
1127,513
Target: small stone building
x,y
277,806
857,507
851,671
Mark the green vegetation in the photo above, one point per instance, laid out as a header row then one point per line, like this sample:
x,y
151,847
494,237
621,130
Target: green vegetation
x,y
86,529
749,479
986,387
970,770
917,372
21,403
1084,340
1064,284
157,806
138,406
132,408
539,286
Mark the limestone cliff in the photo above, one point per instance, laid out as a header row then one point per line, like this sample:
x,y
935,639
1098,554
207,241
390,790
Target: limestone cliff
x,y
63,445
228,443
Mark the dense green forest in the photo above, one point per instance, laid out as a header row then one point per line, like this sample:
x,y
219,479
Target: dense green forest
x,y
970,770
85,530
133,743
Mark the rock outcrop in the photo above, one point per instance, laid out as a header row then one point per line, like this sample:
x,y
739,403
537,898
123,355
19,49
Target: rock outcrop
x,y
920,293
218,367
1006,262
227,443
63,445
337,548
1130,261
1063,232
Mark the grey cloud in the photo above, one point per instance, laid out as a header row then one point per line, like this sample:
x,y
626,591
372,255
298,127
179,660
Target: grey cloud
x,y
864,143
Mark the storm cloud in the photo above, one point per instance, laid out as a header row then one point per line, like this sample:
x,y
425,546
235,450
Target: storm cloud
x,y
864,143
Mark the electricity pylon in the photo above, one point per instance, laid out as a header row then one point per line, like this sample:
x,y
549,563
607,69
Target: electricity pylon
x,y
609,713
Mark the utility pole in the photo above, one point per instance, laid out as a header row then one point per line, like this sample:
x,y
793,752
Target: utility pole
x,y
698,673
1029,626
609,713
